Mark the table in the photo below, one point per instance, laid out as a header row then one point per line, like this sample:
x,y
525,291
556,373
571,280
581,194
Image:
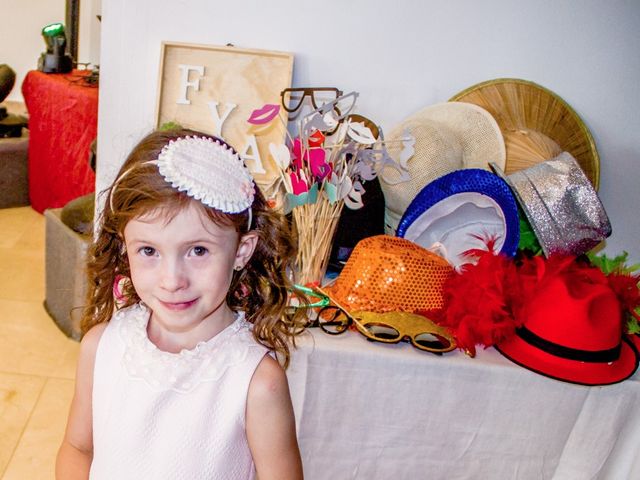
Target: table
x,y
371,411
63,113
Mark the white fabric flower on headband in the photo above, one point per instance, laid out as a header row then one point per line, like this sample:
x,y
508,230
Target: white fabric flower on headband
x,y
209,171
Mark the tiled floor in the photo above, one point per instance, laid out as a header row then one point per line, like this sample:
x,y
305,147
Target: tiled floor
x,y
37,361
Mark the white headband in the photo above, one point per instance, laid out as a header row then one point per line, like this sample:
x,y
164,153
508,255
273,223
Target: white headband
x,y
206,170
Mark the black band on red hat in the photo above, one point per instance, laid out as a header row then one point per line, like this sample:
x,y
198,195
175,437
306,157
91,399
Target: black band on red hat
x,y
592,356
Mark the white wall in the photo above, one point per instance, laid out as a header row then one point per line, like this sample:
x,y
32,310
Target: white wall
x,y
21,42
401,56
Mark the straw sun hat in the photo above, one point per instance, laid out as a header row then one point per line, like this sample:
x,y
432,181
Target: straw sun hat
x,y
448,136
536,124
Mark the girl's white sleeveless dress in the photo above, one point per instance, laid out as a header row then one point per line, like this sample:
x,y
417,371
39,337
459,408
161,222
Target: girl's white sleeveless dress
x,y
177,416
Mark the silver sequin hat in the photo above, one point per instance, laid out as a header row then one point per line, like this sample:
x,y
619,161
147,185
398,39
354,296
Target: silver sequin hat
x,y
561,205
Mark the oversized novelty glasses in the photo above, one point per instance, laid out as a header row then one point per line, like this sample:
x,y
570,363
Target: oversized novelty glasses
x,y
391,327
293,98
341,106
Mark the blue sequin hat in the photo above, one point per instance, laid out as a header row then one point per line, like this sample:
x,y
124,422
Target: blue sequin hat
x,y
460,212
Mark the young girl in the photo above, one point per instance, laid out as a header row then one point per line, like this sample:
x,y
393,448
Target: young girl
x,y
178,382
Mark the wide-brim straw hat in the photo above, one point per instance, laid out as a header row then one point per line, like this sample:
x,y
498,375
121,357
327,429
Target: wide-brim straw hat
x,y
536,124
448,136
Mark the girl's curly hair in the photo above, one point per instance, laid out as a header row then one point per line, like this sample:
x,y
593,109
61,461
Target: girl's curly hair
x,y
261,289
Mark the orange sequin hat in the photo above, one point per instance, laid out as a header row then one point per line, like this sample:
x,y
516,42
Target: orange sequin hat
x,y
385,274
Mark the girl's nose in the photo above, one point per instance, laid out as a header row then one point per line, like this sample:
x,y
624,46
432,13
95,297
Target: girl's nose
x,y
173,275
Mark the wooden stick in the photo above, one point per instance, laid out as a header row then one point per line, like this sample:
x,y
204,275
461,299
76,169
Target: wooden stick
x,y
316,225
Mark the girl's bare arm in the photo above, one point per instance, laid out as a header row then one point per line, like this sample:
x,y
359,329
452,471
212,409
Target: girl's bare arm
x,y
76,452
270,424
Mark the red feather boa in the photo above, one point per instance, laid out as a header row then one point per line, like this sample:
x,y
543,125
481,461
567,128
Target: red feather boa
x,y
483,304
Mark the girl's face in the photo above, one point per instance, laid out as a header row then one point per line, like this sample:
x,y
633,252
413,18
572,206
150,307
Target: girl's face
x,y
182,270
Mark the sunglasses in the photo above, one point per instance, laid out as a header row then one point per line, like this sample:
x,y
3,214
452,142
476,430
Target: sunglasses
x,y
293,98
390,327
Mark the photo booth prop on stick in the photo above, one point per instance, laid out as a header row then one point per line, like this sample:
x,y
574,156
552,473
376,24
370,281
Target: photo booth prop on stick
x,y
214,89
324,167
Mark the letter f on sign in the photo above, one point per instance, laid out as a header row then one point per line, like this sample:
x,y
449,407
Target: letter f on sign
x,y
185,83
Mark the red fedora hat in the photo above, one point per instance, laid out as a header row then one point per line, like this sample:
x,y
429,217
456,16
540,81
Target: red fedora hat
x,y
572,330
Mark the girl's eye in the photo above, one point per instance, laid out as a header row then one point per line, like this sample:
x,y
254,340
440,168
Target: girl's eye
x,y
199,251
147,251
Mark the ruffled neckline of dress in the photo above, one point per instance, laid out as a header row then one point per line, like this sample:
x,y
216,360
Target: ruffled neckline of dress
x,y
185,370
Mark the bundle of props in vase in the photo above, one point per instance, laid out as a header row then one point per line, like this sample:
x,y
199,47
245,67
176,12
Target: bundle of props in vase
x,y
325,166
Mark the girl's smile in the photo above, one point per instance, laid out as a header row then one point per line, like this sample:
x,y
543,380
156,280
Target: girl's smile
x,y
178,306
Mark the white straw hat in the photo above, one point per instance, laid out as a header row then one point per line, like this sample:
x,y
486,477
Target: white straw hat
x,y
448,136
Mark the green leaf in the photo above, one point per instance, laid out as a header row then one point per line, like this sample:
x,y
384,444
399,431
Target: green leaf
x,y
169,126
528,239
632,324
611,265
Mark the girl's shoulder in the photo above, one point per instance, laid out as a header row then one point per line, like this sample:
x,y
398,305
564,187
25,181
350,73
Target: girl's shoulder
x,y
269,379
87,357
91,339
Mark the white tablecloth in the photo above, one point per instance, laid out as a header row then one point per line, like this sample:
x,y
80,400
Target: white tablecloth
x,y
366,410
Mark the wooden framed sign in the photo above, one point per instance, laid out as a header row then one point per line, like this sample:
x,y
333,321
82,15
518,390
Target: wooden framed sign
x,y
214,89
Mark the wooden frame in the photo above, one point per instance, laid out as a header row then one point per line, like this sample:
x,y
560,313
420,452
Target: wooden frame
x,y
72,27
214,89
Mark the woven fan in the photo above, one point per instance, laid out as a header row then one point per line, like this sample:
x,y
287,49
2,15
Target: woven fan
x,y
536,124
